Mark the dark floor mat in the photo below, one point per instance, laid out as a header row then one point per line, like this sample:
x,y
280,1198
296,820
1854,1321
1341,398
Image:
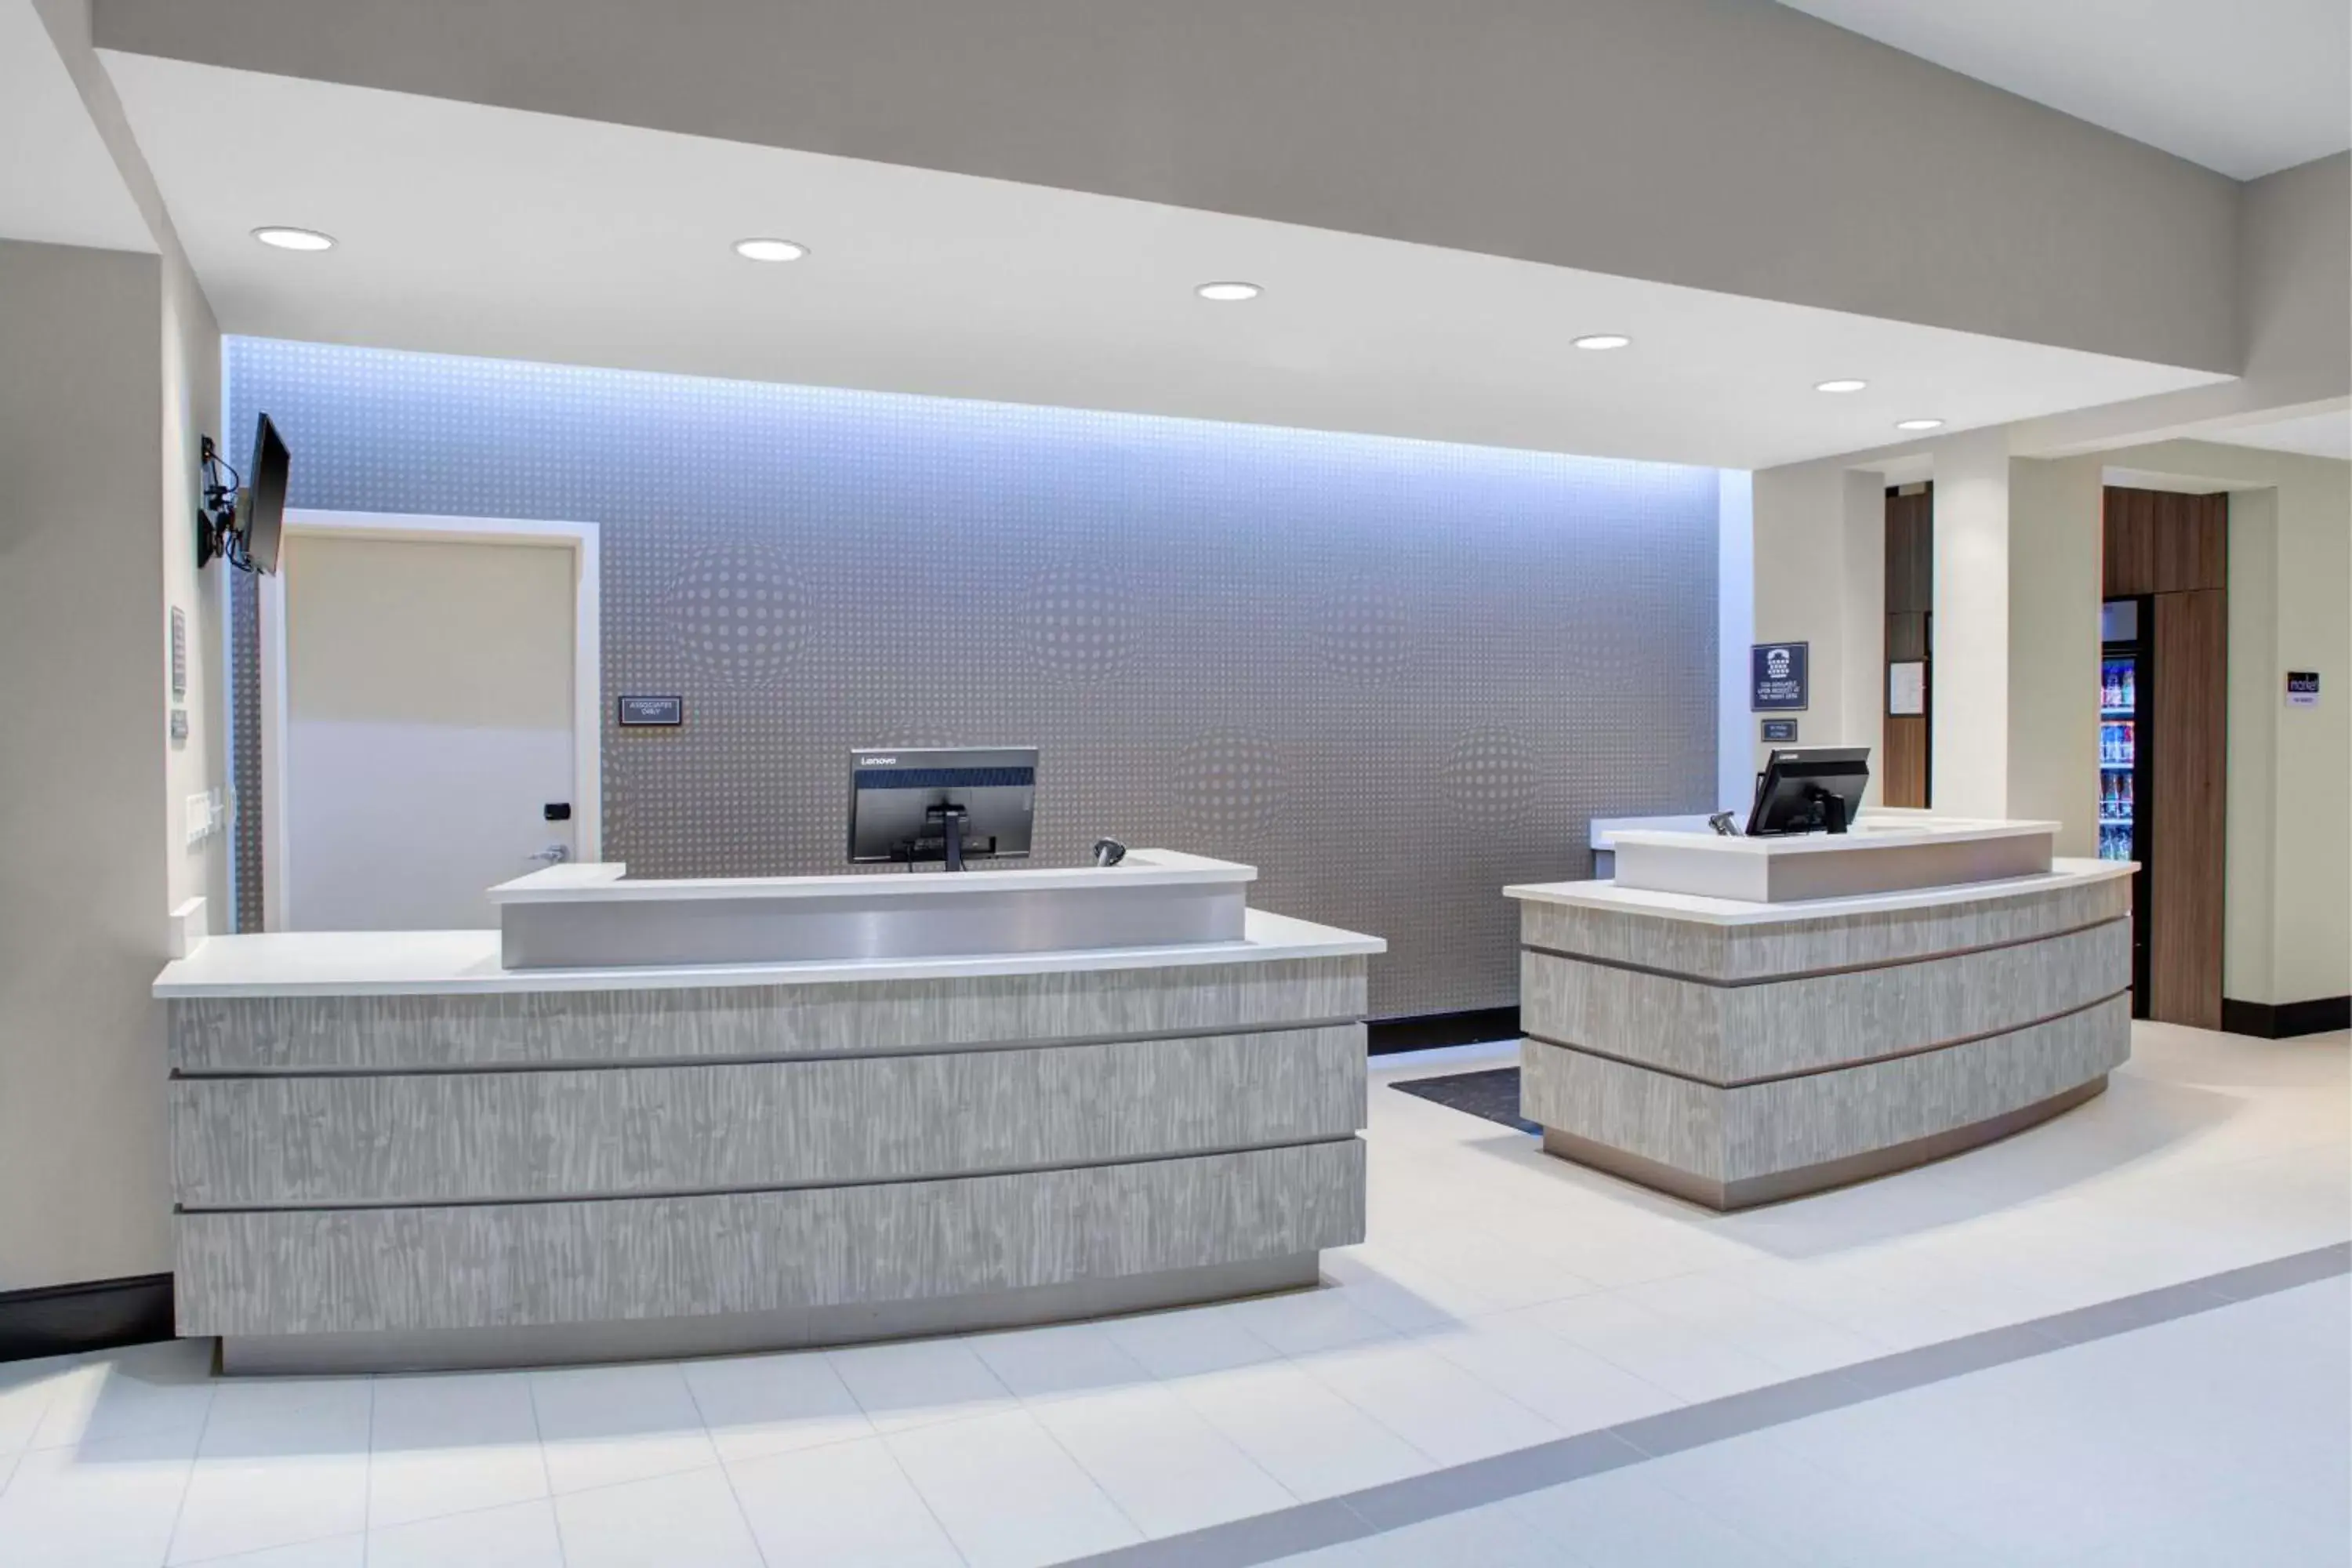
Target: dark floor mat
x,y
1491,1094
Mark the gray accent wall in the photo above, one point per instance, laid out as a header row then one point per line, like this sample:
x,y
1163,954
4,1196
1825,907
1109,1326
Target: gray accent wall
x,y
1394,675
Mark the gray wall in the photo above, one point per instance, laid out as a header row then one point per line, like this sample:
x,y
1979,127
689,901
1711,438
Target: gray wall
x,y
1724,145
84,857
1394,675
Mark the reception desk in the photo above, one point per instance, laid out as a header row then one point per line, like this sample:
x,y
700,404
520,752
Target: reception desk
x,y
1736,1021
822,1111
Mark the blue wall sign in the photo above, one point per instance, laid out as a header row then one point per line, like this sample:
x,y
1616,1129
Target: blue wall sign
x,y
663,711
1780,729
1779,672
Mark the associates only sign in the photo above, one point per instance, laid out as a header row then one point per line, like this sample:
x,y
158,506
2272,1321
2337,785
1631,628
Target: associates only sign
x,y
1778,670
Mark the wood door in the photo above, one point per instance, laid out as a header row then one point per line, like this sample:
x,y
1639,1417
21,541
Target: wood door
x,y
2186,816
2157,542
1904,747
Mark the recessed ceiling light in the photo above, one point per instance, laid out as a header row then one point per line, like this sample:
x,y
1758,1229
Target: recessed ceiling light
x,y
1229,292
1844,385
1918,424
770,250
1603,341
294,238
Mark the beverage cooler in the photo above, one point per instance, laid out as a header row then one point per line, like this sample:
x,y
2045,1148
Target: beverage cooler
x,y
2125,680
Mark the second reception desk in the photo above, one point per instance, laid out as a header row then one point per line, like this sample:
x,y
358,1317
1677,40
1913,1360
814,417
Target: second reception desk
x,y
1759,1041
414,1149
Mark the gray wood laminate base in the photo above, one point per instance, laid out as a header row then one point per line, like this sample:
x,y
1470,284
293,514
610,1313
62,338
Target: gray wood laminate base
x,y
435,1179
1784,1184
1737,1064
737,1334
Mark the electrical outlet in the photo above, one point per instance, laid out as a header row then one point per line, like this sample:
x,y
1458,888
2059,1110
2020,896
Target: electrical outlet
x,y
216,811
200,817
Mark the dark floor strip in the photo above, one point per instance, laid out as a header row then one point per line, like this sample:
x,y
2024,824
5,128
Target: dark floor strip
x,y
1270,1536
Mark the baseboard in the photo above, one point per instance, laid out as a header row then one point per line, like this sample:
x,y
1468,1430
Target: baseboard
x,y
94,1315
1427,1031
2284,1020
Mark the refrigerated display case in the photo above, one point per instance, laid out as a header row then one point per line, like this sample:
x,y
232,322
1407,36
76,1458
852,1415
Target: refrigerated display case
x,y
2126,678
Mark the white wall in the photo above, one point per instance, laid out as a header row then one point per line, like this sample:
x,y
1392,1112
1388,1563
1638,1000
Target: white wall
x,y
1971,743
190,396
1721,144
2288,898
1734,633
2294,313
84,867
2055,590
112,370
1819,542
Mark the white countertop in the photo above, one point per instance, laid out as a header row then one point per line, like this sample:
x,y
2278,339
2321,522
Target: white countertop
x,y
1740,911
443,963
1604,829
1870,831
603,882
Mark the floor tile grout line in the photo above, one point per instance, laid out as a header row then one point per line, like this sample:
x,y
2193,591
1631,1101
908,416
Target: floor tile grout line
x,y
914,1486
195,1457
1230,1545
546,1472
1055,1437
758,1548
367,1476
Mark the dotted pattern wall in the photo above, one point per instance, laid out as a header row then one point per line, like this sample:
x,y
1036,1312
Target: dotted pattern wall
x,y
244,642
1394,675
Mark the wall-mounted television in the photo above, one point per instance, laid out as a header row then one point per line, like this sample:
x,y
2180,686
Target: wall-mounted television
x,y
262,508
244,524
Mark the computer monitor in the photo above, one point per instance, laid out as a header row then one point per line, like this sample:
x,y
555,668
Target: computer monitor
x,y
1810,789
941,802
264,521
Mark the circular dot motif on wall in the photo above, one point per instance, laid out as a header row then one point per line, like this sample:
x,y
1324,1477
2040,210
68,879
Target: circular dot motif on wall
x,y
1079,620
1229,785
1491,776
1362,631
740,613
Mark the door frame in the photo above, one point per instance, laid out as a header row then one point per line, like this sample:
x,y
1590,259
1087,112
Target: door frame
x,y
587,666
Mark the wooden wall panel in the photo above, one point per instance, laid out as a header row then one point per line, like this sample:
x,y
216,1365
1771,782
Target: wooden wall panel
x,y
1911,553
1906,636
2156,541
1903,761
2186,821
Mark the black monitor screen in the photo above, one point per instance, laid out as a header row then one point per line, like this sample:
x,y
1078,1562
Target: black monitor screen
x,y
264,521
899,797
1815,789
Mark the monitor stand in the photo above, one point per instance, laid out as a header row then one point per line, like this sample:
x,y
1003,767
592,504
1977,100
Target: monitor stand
x,y
1833,806
951,820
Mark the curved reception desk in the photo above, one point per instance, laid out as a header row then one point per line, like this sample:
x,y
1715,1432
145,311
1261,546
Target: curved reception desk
x,y
1741,1020
433,1149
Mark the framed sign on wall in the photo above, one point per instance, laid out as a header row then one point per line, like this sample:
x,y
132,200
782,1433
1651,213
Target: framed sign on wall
x,y
1778,672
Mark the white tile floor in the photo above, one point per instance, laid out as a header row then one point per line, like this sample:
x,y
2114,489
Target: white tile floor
x,y
1503,1299
2220,1439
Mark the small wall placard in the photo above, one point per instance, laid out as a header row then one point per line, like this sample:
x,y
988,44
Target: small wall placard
x,y
662,711
1780,729
1778,668
1906,688
2303,689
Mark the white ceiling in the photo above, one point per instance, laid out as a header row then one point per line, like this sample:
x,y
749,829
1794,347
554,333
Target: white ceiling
x,y
59,184
2315,435
2246,87
495,232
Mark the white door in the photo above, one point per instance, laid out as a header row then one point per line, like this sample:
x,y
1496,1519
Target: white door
x,y
428,727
